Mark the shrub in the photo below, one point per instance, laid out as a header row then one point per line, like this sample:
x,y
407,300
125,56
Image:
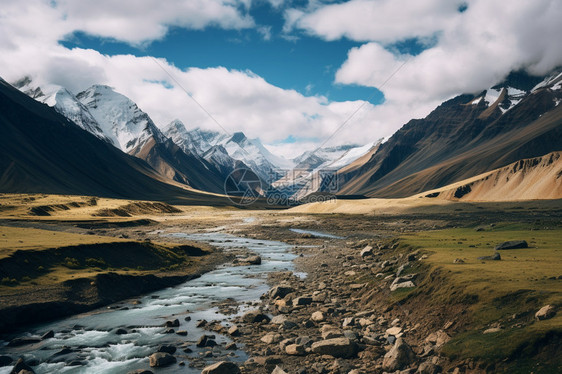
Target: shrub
x,y
71,263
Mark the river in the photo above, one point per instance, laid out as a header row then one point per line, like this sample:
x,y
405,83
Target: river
x,y
90,341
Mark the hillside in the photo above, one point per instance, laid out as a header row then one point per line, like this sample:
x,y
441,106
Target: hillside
x,y
464,137
42,151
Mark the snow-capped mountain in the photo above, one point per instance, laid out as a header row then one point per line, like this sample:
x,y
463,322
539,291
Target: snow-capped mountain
x,y
120,118
65,103
317,171
227,152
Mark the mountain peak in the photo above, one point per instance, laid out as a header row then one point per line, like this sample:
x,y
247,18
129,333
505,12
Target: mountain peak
x,y
238,137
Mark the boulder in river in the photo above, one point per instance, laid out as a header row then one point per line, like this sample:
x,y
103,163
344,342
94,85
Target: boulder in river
x,y
161,359
166,348
21,366
48,335
512,244
24,340
174,323
251,260
222,367
140,371
206,341
336,347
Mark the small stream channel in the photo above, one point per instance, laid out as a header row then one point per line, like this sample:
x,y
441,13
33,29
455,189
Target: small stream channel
x,y
90,341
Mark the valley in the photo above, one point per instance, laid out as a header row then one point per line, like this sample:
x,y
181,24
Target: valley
x,y
334,307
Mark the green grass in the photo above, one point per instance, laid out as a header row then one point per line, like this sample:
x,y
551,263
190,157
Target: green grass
x,y
495,292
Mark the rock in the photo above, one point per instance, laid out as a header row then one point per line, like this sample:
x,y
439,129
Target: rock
x,y
428,368
222,367
295,350
398,357
394,331
495,257
317,316
279,292
277,320
512,244
206,341
336,347
278,370
121,331
271,338
288,325
18,342
5,361
231,346
48,335
181,332
140,371
255,316
348,322
367,251
174,323
166,348
330,332
161,359
201,323
458,261
439,338
234,331
21,366
302,301
252,260
396,286
546,312
492,330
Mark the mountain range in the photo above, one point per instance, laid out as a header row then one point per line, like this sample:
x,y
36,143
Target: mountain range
x,y
465,136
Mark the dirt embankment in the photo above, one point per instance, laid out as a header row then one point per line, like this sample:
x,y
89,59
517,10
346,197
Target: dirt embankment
x,y
41,285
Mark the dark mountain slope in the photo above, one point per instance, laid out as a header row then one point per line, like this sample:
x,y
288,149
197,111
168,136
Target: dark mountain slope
x,y
42,151
462,138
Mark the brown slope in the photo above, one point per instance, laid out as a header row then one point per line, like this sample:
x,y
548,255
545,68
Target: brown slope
x,y
172,162
528,179
459,140
41,151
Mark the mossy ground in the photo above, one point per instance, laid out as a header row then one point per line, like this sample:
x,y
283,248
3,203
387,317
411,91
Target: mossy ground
x,y
504,294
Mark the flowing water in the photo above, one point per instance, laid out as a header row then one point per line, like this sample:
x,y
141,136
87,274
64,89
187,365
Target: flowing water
x,y
318,234
90,339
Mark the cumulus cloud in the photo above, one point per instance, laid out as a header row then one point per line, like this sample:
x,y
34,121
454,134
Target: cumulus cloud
x,y
475,48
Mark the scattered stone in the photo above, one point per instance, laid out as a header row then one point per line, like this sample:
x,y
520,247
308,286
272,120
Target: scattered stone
x,y
278,320
367,251
278,370
181,332
234,331
317,316
279,292
121,331
140,371
231,346
395,331
395,286
251,260
348,322
512,244
255,316
161,359
428,368
458,261
495,257
546,312
438,338
222,367
302,301
492,330
295,350
398,357
271,338
201,323
336,347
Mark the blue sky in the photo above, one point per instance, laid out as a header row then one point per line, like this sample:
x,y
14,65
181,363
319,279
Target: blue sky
x,y
299,61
